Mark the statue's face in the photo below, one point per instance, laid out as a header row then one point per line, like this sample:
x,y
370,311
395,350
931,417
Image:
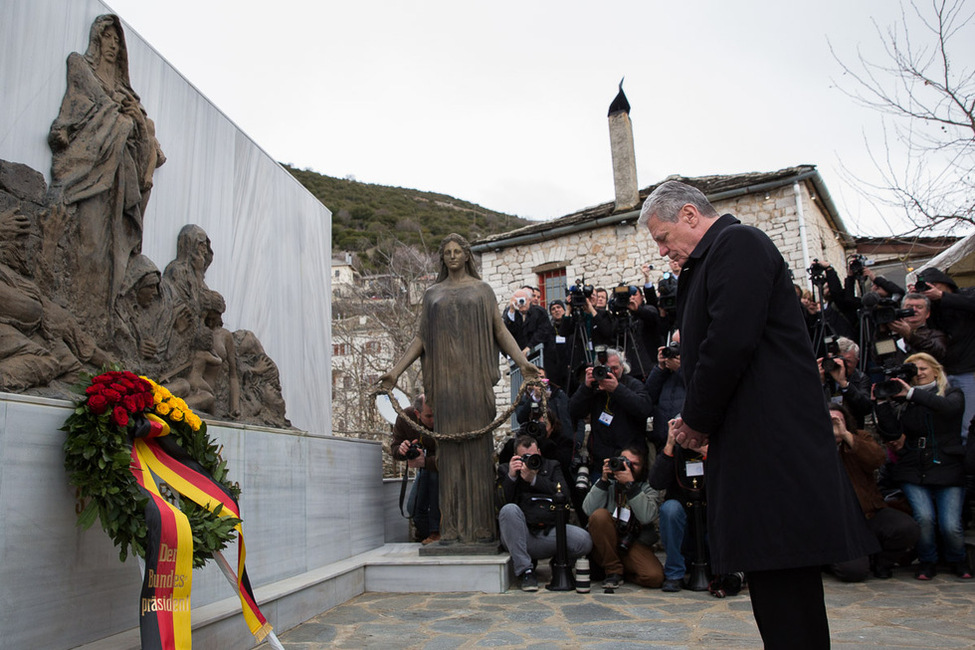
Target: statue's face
x,y
454,257
109,45
147,293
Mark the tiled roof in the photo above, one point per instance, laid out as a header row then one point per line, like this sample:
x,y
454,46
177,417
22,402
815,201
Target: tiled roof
x,y
714,187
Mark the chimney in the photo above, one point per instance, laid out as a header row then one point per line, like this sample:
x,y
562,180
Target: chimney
x,y
624,158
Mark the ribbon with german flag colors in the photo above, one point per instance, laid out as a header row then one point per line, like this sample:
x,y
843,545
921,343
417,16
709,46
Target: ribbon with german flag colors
x,y
165,604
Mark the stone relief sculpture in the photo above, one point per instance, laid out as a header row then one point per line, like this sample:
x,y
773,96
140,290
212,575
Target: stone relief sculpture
x,y
76,292
104,154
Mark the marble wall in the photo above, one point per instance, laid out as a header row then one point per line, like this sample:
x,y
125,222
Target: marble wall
x,y
271,238
307,501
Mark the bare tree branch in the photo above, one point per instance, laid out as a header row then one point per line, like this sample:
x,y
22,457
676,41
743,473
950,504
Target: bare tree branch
x,y
925,92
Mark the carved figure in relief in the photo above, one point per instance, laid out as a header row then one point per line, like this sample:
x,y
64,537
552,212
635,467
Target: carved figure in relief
x,y
104,154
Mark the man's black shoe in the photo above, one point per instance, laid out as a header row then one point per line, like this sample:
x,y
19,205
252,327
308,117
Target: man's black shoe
x,y
671,586
528,581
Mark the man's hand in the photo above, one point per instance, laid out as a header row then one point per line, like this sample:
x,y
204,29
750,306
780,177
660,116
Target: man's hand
x,y
840,432
687,437
517,468
625,475
896,445
609,384
607,472
900,327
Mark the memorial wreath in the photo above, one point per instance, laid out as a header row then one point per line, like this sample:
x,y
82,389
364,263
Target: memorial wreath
x,y
152,476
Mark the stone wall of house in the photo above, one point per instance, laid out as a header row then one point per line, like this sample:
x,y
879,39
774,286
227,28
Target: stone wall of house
x,y
613,254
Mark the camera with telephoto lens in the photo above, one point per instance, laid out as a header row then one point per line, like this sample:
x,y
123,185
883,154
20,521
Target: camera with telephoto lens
x,y
667,291
414,451
619,463
580,468
532,461
619,303
671,350
578,294
889,387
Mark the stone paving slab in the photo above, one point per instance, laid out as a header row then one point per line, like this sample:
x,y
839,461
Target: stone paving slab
x,y
897,614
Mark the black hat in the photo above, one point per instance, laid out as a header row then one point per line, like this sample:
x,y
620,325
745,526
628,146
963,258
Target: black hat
x,y
937,275
556,302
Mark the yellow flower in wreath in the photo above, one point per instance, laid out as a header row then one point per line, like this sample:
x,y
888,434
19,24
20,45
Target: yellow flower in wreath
x,y
176,415
163,408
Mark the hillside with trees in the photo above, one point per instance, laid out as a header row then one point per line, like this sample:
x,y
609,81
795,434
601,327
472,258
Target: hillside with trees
x,y
366,217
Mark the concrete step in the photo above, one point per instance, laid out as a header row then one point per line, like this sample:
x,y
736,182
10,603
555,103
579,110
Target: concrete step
x,y
393,568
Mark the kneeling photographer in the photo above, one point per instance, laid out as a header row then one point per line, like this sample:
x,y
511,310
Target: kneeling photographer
x,y
622,510
527,486
419,451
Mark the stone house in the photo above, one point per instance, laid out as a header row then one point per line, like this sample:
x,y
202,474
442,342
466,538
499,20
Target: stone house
x,y
603,245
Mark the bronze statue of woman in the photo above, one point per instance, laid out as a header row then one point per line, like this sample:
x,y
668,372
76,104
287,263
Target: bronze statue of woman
x,y
459,337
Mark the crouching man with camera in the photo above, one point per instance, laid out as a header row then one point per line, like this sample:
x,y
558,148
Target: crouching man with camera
x,y
420,451
622,509
527,487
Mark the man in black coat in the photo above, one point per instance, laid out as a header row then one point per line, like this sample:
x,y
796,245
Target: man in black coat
x,y
780,505
530,326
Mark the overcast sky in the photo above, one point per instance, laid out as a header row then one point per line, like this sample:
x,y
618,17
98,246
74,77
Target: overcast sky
x,y
504,103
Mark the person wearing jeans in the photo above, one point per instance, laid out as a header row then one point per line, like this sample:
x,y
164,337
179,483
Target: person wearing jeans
x,y
924,430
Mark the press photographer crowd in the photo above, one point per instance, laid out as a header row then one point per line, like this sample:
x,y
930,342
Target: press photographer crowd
x,y
600,432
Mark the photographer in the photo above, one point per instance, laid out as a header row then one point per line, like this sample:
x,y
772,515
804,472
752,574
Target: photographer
x,y
529,325
529,408
617,405
843,382
527,486
896,532
953,312
665,386
622,509
420,451
922,426
674,470
914,333
840,312
633,326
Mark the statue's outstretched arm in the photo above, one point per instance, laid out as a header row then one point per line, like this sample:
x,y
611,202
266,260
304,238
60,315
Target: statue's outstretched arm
x,y
413,352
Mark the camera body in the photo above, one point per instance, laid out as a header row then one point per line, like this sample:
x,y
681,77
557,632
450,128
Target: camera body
x,y
414,451
532,461
921,285
578,294
534,428
889,387
521,301
857,264
627,534
817,272
619,463
671,350
667,291
600,369
619,302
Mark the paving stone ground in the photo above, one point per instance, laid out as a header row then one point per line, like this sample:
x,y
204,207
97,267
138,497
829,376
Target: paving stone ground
x,y
897,614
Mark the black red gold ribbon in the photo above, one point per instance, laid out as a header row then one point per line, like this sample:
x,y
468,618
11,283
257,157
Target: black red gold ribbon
x,y
165,604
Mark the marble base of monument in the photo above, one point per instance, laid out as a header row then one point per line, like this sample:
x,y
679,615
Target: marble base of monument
x,y
488,548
